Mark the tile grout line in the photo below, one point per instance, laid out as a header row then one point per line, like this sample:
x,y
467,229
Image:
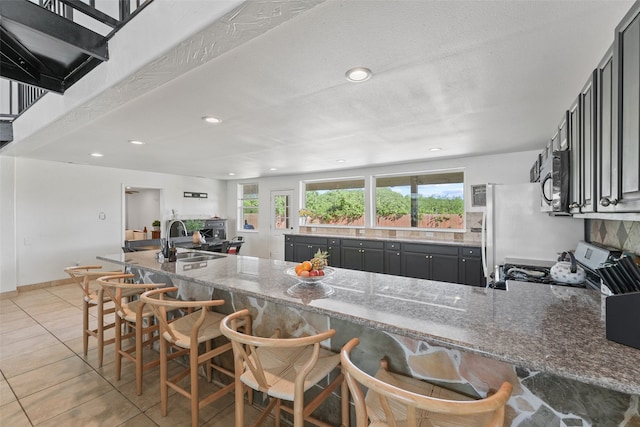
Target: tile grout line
x,y
74,355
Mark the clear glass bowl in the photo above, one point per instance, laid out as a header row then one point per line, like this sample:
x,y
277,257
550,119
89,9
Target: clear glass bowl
x,y
328,272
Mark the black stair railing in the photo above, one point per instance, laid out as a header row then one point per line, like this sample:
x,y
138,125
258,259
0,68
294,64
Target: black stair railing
x,y
17,97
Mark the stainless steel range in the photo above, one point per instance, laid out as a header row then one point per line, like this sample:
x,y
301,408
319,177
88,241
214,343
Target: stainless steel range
x,y
588,257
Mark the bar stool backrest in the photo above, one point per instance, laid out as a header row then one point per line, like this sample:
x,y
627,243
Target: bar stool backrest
x,y
390,401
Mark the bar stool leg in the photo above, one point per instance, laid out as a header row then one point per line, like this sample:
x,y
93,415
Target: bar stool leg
x,y
85,326
100,329
193,372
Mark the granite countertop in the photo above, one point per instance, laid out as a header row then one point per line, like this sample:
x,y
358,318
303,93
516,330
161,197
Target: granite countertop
x,y
559,330
391,239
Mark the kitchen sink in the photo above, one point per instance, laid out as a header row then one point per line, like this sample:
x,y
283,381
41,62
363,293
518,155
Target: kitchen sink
x,y
196,257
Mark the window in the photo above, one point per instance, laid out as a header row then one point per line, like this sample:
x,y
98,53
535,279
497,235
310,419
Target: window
x,y
429,200
248,206
335,202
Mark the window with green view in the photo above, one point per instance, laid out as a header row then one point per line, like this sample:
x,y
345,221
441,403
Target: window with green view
x,y
248,206
428,200
339,202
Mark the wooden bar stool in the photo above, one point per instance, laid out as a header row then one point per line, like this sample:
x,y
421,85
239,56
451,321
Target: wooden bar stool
x,y
84,276
133,320
397,400
283,369
184,335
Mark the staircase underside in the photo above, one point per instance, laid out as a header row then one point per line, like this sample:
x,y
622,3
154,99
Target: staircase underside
x,y
43,49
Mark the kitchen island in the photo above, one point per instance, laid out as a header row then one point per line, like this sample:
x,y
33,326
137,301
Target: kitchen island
x,y
548,341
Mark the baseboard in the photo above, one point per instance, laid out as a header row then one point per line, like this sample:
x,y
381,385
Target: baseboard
x,y
35,286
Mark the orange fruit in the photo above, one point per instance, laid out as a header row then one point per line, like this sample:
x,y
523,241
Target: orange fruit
x,y
306,266
298,269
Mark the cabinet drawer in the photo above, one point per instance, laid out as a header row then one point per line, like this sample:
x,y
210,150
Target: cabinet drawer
x,y
311,240
392,246
470,251
430,249
334,242
365,244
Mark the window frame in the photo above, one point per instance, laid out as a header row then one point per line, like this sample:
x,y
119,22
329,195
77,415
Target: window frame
x,y
374,193
241,207
303,199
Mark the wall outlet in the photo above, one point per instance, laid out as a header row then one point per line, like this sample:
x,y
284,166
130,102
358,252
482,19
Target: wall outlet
x,y
429,234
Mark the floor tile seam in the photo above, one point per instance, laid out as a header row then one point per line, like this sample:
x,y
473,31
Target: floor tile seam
x,y
72,407
52,385
16,397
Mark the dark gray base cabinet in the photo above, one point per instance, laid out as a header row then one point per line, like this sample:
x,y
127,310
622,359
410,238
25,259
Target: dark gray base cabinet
x,y
362,255
444,263
433,262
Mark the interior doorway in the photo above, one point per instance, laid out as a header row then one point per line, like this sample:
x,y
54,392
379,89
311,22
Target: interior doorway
x,y
281,201
141,209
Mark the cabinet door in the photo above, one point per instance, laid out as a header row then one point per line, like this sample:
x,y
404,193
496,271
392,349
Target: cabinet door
x,y
393,262
416,265
373,260
288,249
575,189
305,251
626,75
588,131
444,268
471,271
334,253
606,147
351,258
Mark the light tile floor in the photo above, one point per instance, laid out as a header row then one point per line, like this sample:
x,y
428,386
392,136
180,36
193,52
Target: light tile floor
x,y
47,381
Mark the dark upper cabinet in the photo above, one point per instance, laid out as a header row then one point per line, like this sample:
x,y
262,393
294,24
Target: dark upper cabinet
x,y
588,144
626,112
606,147
575,187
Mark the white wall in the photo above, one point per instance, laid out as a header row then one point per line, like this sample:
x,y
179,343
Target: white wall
x,y
58,207
8,271
55,216
500,169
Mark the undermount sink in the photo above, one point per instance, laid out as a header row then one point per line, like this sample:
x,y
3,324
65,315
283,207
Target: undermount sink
x,y
196,256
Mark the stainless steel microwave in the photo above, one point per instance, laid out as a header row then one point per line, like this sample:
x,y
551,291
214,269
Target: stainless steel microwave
x,y
555,178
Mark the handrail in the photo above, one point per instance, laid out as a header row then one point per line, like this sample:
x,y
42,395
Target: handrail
x,y
22,96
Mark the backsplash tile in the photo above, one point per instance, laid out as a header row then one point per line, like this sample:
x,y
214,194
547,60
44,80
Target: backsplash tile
x,y
472,234
616,234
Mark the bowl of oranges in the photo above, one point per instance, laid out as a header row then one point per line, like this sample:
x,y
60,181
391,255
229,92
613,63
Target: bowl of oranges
x,y
310,276
312,271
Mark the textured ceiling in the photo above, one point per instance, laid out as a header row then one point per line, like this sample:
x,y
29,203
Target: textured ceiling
x,y
469,77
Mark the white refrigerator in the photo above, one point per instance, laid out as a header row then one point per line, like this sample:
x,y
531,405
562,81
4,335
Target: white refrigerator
x,y
516,228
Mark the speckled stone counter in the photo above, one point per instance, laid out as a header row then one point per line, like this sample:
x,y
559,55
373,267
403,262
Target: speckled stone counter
x,y
535,331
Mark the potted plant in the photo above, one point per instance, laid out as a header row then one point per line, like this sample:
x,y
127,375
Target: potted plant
x,y
156,224
304,214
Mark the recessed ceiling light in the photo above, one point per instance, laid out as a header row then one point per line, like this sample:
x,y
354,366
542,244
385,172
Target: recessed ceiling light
x,y
231,174
273,169
97,154
340,161
435,149
358,74
211,119
135,142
